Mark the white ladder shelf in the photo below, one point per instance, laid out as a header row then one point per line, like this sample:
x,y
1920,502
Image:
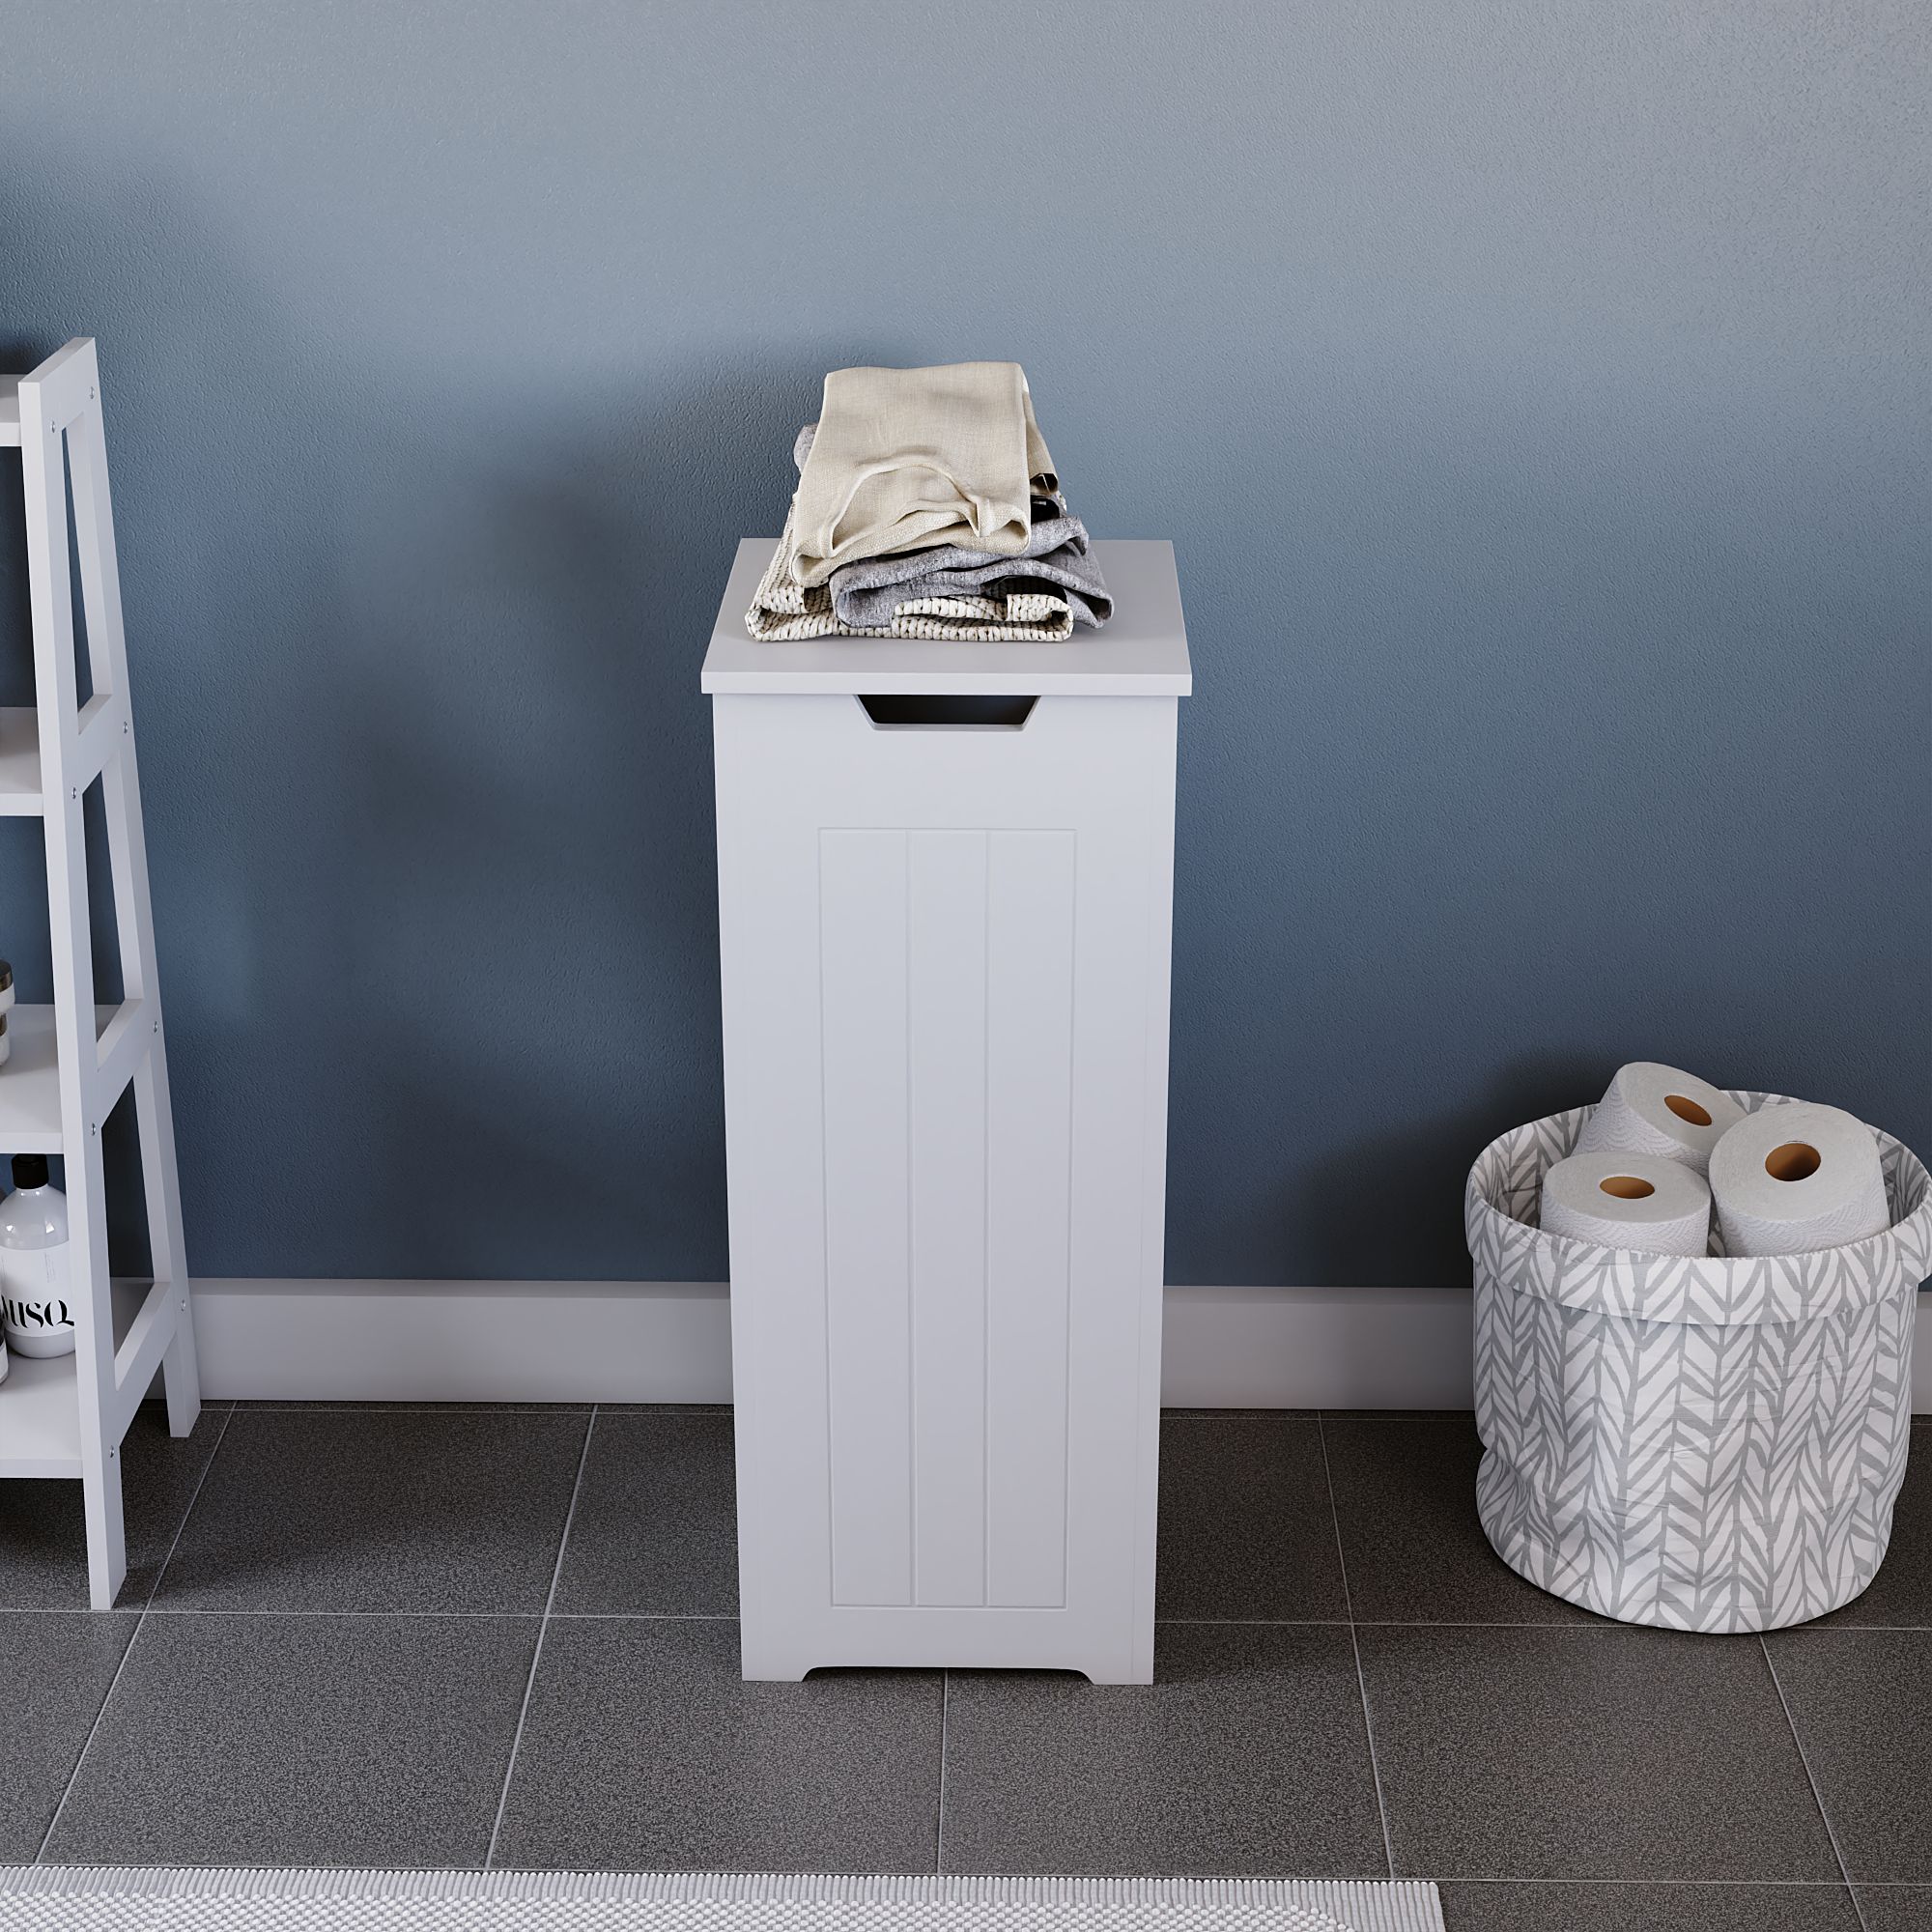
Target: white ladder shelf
x,y
72,1061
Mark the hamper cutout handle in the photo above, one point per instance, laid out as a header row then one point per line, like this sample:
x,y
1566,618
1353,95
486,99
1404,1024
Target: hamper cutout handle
x,y
947,711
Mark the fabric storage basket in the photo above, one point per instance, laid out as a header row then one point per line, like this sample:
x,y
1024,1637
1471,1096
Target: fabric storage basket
x,y
1706,1444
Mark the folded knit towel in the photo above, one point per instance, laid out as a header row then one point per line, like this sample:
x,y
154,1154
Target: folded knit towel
x,y
783,610
1057,554
906,459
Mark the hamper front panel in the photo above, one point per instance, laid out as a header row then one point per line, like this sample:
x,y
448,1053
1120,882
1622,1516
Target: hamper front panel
x,y
938,1004
947,1042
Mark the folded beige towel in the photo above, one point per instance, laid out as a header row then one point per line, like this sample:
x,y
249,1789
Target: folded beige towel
x,y
906,459
783,610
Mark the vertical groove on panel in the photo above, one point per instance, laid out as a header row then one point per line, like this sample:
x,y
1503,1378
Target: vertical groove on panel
x,y
864,916
910,1279
1029,1054
825,1243
1066,1313
946,902
986,1235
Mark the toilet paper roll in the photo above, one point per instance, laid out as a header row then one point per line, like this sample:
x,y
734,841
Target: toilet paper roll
x,y
1663,1111
1621,1200
1794,1178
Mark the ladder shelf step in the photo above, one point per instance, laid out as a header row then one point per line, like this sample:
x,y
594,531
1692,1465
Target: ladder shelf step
x,y
30,1106
19,761
40,1418
39,1402
102,732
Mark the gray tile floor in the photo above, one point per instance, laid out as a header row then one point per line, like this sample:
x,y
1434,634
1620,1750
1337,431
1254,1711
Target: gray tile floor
x,y
452,1637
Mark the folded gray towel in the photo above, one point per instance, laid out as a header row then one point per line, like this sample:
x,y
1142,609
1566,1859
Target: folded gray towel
x,y
782,608
869,592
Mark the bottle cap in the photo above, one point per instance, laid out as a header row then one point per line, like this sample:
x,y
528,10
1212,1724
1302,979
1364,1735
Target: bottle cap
x,y
30,1169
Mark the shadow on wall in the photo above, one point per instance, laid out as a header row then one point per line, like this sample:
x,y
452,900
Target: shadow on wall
x,y
424,763
1353,1242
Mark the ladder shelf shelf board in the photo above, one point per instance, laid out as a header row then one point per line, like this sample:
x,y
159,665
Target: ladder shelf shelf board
x,y
30,1103
40,1418
23,795
71,1062
39,1404
19,761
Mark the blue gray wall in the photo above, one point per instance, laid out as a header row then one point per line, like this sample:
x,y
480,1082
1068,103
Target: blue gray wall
x,y
1537,397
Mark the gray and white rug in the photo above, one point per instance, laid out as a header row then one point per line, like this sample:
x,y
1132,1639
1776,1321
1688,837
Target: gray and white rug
x,y
80,1898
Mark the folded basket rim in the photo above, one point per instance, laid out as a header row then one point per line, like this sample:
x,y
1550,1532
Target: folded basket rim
x,y
1716,1288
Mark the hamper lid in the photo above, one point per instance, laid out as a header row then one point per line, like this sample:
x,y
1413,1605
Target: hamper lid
x,y
1141,652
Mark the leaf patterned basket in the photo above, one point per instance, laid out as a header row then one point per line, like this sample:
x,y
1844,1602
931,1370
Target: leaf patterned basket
x,y
1709,1443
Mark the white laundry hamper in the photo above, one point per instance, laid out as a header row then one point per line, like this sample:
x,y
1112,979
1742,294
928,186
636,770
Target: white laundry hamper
x,y
944,906
1709,1443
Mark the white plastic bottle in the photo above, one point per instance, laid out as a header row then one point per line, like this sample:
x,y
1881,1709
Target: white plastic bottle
x,y
36,1306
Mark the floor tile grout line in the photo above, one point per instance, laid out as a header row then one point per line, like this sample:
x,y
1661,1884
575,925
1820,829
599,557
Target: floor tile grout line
x,y
939,1845
543,1629
1683,1883
181,1528
1552,1627
134,1637
1355,1646
1251,1623
1817,1794
374,1617
644,1617
481,1616
559,1409
1580,1627
73,1776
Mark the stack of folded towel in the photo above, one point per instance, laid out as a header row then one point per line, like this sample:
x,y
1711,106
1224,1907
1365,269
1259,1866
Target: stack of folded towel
x,y
928,507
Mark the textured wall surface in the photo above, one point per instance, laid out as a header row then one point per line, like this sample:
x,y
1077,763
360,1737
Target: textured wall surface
x,y
1537,397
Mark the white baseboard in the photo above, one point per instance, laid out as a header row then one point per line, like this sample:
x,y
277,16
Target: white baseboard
x,y
630,1341
1316,1347
464,1341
